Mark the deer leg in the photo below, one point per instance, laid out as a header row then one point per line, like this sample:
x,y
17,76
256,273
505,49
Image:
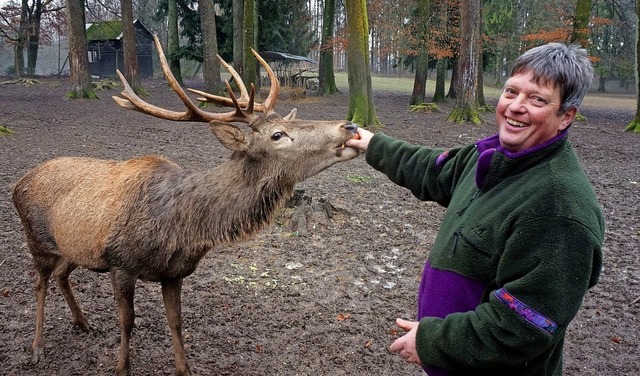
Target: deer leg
x,y
171,292
61,273
123,288
42,285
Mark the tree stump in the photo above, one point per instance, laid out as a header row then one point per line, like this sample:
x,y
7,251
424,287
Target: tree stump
x,y
308,213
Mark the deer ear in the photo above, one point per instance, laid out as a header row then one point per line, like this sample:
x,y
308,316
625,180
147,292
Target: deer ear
x,y
230,136
291,115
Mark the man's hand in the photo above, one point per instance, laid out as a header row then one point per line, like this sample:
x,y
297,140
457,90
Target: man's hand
x,y
405,346
363,143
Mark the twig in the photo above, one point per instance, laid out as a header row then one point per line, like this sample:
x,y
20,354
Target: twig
x,y
3,261
635,301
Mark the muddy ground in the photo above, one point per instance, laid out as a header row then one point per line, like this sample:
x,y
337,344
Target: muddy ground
x,y
319,300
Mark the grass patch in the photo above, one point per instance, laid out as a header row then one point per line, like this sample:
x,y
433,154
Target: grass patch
x,y
404,85
4,131
359,178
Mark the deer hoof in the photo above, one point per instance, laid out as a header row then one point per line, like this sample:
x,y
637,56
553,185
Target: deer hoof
x,y
37,355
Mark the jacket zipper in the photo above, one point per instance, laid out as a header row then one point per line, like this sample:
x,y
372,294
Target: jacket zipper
x,y
461,211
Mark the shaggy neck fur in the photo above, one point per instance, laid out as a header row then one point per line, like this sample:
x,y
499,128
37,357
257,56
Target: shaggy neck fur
x,y
190,213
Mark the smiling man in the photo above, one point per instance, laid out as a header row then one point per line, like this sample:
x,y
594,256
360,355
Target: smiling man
x,y
521,241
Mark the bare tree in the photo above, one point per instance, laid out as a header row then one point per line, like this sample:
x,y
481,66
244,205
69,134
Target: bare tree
x,y
174,40
238,36
249,40
81,86
634,125
361,109
326,76
131,71
421,20
211,66
466,108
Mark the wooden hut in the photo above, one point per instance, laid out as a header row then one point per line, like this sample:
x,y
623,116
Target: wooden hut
x,y
106,52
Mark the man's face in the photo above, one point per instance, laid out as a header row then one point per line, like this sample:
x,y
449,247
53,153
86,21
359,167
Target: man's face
x,y
527,113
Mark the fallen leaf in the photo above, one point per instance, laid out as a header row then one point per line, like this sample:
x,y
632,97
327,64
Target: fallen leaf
x,y
616,339
342,317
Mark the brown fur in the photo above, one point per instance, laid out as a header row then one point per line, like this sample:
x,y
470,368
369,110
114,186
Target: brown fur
x,y
147,218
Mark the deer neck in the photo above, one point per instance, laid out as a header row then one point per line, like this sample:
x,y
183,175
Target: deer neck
x,y
229,202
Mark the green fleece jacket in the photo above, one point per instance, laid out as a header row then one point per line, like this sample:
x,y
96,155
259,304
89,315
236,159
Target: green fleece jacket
x,y
520,244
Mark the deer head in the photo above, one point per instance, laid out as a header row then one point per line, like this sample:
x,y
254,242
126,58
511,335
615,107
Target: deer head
x,y
310,145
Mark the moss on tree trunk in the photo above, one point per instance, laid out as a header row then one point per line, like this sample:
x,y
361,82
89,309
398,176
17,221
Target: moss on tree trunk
x,y
634,126
460,115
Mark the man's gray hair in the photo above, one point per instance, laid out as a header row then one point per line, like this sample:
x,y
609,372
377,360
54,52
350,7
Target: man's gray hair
x,y
566,67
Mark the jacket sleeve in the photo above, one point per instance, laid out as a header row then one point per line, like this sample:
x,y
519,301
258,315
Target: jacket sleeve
x,y
430,174
545,270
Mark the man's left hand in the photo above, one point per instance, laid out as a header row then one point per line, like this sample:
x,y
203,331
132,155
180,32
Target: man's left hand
x,y
405,346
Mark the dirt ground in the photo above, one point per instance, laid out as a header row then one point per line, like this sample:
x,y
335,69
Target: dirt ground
x,y
319,300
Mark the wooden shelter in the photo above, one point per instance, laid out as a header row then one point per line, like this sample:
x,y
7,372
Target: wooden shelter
x,y
106,51
292,70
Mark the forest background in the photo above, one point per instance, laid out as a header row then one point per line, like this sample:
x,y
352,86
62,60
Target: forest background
x,y
400,37
396,32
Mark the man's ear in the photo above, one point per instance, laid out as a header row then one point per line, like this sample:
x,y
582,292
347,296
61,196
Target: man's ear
x,y
230,136
567,118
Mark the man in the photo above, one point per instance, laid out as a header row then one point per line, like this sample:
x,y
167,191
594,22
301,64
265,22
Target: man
x,y
521,240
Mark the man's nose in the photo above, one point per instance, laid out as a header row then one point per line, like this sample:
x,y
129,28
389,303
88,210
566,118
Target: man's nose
x,y
518,103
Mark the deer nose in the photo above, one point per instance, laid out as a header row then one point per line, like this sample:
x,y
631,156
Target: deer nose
x,y
351,127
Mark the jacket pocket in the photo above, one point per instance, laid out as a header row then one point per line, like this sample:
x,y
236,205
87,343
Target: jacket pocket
x,y
473,256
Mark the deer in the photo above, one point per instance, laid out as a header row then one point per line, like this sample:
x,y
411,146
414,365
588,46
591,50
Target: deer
x,y
147,218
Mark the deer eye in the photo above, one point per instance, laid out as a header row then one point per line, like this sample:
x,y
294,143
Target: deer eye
x,y
276,136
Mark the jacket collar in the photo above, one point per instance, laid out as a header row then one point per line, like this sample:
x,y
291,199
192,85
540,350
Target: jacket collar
x,y
514,162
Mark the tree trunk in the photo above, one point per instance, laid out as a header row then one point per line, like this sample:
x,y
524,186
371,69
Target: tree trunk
x,y
33,39
21,39
422,64
455,79
418,93
81,86
238,36
248,41
441,76
211,65
602,88
174,40
581,32
467,108
361,109
131,71
634,125
326,76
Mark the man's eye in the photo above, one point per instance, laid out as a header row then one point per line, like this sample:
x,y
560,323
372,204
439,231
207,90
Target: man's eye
x,y
276,136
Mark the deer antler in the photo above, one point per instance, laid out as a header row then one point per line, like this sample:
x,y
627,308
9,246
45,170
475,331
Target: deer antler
x,y
133,102
266,107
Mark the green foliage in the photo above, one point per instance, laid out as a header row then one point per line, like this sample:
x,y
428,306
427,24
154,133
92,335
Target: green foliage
x,y
285,25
